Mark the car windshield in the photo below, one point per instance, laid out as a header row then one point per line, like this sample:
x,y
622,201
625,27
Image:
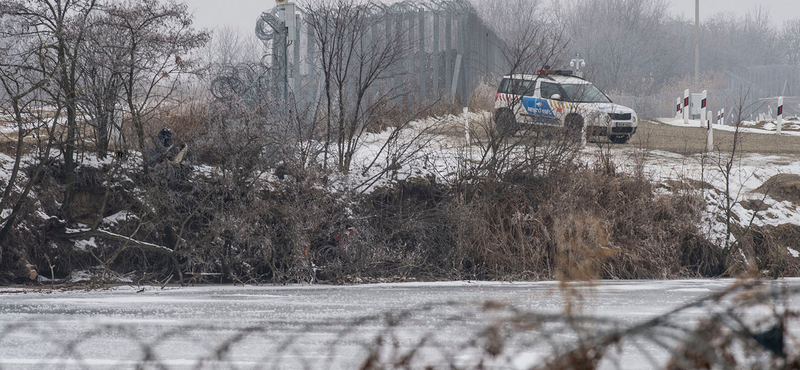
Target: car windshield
x,y
583,93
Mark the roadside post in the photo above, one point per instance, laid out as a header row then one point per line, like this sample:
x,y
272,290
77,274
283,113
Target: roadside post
x,y
677,108
704,108
466,125
710,133
686,107
780,115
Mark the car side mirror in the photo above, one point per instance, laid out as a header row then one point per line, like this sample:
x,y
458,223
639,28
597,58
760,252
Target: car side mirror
x,y
555,97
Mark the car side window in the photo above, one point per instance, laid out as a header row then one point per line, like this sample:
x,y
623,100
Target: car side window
x,y
548,89
523,87
505,86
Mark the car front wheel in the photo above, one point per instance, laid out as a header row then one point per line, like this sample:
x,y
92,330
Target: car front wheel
x,y
620,139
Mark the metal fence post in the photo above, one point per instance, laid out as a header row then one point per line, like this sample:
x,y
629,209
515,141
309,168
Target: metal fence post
x,y
436,56
448,49
423,66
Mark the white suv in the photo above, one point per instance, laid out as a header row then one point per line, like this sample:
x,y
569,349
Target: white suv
x,y
557,98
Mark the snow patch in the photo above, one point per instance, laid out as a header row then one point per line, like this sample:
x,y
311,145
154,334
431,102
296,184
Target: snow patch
x,y
119,217
85,244
78,276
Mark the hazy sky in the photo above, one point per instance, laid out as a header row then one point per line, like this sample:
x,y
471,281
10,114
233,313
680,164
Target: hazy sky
x,y
242,14
779,10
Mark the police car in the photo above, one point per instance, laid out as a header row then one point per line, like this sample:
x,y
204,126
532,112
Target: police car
x,y
558,98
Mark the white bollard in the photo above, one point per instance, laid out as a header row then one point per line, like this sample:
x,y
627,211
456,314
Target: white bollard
x,y
678,108
466,126
780,115
721,120
686,107
703,108
710,133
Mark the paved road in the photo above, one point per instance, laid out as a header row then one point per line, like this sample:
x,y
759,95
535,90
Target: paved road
x,y
320,327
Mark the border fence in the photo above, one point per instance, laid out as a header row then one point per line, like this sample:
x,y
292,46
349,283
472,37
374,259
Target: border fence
x,y
450,51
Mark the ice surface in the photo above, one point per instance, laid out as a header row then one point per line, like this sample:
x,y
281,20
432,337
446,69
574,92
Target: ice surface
x,y
326,326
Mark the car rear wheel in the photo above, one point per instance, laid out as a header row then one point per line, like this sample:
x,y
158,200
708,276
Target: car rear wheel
x,y
505,122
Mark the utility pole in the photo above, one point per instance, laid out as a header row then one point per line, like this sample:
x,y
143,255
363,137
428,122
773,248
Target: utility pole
x,y
696,44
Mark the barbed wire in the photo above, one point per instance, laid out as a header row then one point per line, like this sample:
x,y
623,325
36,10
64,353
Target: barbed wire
x,y
236,81
743,327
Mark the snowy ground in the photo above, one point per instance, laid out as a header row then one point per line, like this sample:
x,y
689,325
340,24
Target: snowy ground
x,y
315,327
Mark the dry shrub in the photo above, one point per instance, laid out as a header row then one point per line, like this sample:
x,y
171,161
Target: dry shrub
x,y
582,242
482,98
409,225
767,249
577,224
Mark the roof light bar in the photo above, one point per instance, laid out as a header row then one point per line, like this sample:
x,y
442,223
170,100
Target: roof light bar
x,y
563,72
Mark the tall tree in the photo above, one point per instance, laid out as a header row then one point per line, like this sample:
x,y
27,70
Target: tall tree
x,y
24,103
61,27
790,41
354,56
101,68
157,39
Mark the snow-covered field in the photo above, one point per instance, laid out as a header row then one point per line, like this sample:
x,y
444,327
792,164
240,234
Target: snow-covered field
x,y
321,327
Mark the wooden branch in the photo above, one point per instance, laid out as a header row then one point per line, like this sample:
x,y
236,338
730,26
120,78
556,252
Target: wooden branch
x,y
83,233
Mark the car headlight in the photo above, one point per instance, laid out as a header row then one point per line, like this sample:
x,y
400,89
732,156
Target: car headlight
x,y
633,119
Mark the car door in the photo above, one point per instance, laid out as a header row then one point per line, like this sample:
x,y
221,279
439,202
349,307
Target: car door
x,y
537,108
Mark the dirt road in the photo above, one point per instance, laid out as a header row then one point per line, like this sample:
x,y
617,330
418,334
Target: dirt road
x,y
692,140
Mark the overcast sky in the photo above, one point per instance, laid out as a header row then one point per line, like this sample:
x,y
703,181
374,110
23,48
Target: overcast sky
x,y
779,10
242,14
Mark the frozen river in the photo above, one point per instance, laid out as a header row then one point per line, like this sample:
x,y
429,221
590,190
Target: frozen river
x,y
322,327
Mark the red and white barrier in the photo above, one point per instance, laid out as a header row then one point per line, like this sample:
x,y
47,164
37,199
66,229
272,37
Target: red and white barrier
x,y
686,107
704,109
678,108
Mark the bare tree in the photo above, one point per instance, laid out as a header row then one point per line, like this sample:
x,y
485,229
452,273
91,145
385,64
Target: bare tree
x,y
623,41
790,41
353,60
157,39
23,78
61,27
101,71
